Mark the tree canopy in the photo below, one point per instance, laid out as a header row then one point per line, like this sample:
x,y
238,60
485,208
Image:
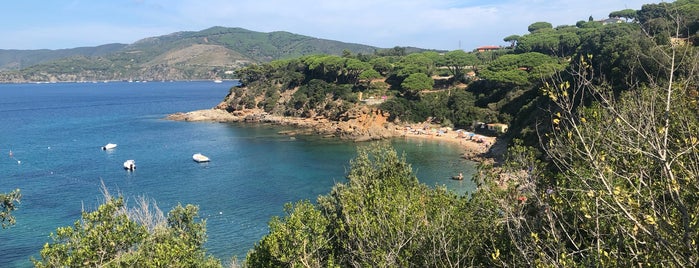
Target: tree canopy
x,y
113,236
628,14
512,39
417,81
541,25
521,69
380,217
457,61
8,203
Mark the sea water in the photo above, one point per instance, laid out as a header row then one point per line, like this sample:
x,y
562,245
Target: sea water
x,y
50,147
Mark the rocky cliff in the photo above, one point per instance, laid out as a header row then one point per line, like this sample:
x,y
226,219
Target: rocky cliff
x,y
329,117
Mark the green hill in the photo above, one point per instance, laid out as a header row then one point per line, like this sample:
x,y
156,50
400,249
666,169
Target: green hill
x,y
206,54
14,59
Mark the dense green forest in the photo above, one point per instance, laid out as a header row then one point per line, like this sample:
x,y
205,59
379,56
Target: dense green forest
x,y
602,166
458,88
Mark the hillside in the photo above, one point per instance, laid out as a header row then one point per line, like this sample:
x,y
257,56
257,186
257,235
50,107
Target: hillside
x,y
15,59
206,54
600,171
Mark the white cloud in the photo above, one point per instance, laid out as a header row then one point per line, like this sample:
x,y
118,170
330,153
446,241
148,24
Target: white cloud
x,y
439,24
58,37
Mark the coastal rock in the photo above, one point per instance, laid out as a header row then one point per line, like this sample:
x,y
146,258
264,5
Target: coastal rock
x,y
216,115
361,124
325,116
358,125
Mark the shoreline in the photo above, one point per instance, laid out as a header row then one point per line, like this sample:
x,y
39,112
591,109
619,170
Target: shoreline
x,y
471,149
474,147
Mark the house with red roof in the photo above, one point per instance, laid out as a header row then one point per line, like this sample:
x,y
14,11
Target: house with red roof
x,y
487,48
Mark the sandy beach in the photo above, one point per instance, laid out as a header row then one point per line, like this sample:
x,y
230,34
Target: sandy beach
x,y
473,145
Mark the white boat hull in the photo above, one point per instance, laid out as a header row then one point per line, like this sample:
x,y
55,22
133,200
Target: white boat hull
x,y
109,146
200,158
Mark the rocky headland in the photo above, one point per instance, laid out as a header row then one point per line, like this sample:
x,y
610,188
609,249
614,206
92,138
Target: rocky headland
x,y
358,124
363,124
327,116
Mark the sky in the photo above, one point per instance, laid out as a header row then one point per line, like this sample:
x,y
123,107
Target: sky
x,y
430,24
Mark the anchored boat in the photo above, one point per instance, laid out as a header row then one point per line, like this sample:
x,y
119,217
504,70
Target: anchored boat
x,y
130,164
199,158
109,146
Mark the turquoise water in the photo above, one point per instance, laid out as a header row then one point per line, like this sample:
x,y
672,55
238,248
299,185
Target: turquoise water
x,y
55,133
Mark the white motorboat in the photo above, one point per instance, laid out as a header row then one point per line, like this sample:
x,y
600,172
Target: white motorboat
x,y
199,158
109,146
130,164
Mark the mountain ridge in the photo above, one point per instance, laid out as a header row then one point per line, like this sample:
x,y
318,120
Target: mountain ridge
x,y
211,53
14,59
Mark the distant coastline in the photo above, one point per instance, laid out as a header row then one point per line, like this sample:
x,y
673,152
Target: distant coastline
x,y
113,81
475,148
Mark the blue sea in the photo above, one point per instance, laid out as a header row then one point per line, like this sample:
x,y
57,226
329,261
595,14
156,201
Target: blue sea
x,y
50,147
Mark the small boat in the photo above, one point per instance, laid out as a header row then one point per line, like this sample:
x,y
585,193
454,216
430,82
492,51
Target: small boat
x,y
459,177
199,158
217,81
130,164
109,146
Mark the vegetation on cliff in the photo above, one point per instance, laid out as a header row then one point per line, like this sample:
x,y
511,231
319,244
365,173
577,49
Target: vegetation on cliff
x,y
329,86
115,235
609,180
457,88
381,217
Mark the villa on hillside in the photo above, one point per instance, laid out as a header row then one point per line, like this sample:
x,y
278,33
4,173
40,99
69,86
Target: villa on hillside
x,y
487,48
497,128
611,21
371,100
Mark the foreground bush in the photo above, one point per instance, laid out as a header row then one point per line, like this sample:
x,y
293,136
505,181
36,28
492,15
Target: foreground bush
x,y
113,236
381,217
